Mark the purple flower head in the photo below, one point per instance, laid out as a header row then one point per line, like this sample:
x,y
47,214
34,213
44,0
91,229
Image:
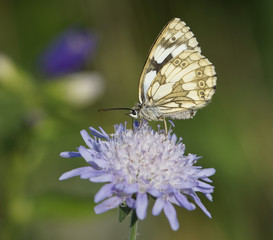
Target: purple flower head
x,y
68,53
139,163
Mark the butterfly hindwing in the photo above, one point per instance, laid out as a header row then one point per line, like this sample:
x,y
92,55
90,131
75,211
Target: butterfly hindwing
x,y
175,38
186,82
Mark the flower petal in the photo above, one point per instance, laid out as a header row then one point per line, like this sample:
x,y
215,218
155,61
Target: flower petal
x,y
70,154
206,179
108,204
154,192
171,122
119,128
104,192
131,188
102,178
184,202
174,138
170,213
89,158
209,196
206,172
130,202
85,154
104,133
187,185
86,137
84,172
158,206
200,204
96,133
141,205
204,185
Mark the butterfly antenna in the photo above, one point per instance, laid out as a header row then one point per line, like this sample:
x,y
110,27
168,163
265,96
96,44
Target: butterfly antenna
x,y
110,109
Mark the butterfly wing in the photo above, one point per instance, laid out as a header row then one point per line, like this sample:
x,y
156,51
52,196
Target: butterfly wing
x,y
175,38
185,83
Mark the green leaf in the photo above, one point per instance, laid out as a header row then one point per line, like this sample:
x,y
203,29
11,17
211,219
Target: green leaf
x,y
123,212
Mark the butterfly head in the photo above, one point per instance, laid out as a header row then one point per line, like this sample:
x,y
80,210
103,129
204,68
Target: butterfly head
x,y
135,111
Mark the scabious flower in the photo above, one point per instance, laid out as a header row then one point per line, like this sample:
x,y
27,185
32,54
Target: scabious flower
x,y
68,52
138,163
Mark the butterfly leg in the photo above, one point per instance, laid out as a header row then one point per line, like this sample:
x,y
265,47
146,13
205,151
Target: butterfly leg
x,y
165,126
132,123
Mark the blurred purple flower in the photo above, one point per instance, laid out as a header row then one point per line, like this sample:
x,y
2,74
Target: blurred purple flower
x,y
139,163
68,53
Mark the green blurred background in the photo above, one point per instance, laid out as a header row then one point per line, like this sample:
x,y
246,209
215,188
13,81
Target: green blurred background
x,y
40,116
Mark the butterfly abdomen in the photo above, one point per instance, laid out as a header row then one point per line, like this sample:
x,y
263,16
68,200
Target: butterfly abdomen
x,y
151,113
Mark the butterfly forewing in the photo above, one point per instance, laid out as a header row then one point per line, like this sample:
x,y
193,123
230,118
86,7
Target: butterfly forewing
x,y
175,38
185,82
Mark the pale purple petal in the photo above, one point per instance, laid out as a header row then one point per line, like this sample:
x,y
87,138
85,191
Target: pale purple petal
x,y
120,128
130,189
84,172
206,179
174,138
187,185
204,185
98,134
120,186
209,196
102,178
104,192
141,205
130,202
184,202
104,133
200,204
170,213
154,192
108,204
85,154
70,154
158,206
86,137
171,122
206,172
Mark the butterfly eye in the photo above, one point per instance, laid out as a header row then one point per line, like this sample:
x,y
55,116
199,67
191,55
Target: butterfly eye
x,y
133,113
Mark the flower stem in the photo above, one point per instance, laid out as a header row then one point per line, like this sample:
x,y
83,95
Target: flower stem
x,y
133,226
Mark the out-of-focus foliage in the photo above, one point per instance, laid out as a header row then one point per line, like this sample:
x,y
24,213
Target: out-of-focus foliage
x,y
41,115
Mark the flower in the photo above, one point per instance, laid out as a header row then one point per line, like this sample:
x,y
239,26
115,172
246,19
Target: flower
x,y
69,52
138,163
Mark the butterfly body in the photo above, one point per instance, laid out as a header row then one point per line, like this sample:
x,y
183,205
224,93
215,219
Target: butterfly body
x,y
152,113
177,79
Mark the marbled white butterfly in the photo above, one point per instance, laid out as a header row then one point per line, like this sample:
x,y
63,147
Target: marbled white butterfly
x,y
176,79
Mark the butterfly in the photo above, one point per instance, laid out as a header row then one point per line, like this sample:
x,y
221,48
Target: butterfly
x,y
176,79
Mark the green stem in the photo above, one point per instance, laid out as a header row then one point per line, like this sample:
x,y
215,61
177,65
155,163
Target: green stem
x,y
133,226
